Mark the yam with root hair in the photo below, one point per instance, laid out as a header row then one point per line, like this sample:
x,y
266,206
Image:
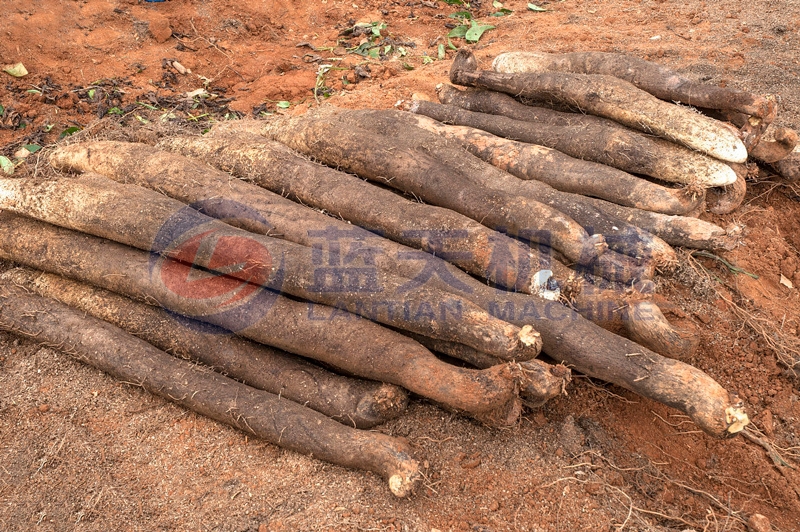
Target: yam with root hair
x,y
278,421
383,159
332,336
357,402
620,236
660,81
365,349
725,200
97,205
683,231
612,98
564,173
252,157
582,136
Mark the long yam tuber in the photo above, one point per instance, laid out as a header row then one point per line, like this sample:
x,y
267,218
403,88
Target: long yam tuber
x,y
105,208
333,336
379,158
584,137
281,422
609,97
562,172
658,80
356,402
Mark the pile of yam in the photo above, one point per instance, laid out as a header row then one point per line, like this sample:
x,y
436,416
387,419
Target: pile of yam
x,y
299,277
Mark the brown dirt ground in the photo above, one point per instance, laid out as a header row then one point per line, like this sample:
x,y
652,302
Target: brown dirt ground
x,y
81,451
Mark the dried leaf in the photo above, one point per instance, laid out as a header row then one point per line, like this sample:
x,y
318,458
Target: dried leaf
x,y
786,282
16,69
6,165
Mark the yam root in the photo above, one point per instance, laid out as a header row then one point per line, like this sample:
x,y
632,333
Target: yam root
x,y
332,336
540,381
281,422
610,265
620,236
356,402
658,80
581,136
725,200
562,172
462,241
612,98
382,159
96,205
778,147
789,168
252,157
649,327
365,349
675,230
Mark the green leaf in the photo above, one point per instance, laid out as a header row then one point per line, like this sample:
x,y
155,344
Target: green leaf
x,y
459,32
402,52
373,53
142,120
17,70
534,7
33,91
33,148
454,2
463,15
115,111
91,94
69,131
283,104
427,60
497,5
387,49
502,13
474,33
451,45
6,165
441,54
407,66
363,49
2,110
48,127
148,106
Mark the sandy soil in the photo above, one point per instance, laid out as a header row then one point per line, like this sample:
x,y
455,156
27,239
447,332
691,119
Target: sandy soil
x,y
81,451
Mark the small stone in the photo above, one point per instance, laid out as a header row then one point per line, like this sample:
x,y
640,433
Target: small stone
x,y
494,506
252,28
44,408
159,28
758,523
701,463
